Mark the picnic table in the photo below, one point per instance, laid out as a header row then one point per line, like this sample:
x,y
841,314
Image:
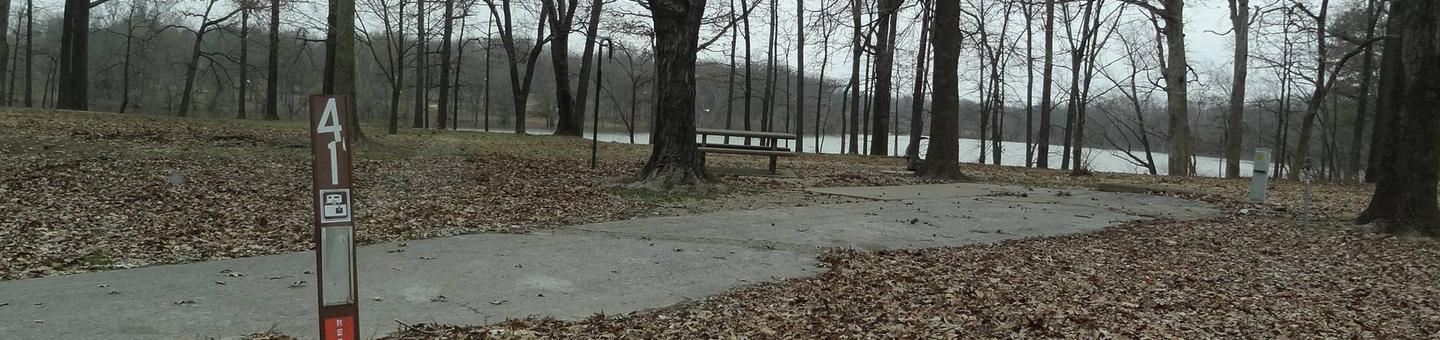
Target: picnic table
x,y
769,144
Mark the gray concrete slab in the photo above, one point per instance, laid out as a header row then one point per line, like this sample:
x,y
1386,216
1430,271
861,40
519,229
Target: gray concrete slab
x,y
569,273
908,224
482,278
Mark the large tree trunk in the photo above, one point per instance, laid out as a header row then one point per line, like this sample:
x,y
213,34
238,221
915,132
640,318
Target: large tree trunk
x,y
749,76
1404,199
5,43
800,77
1176,89
397,63
858,49
1029,86
1235,126
572,120
942,158
74,62
240,90
447,30
1047,80
340,60
1386,107
587,61
675,164
917,98
272,85
30,53
884,69
730,84
422,42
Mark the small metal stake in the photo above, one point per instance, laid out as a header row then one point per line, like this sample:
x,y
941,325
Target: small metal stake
x,y
1307,175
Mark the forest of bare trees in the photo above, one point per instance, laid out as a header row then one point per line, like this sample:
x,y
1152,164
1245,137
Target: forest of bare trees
x,y
1059,80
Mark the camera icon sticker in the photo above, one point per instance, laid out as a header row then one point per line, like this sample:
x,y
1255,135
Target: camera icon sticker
x,y
334,205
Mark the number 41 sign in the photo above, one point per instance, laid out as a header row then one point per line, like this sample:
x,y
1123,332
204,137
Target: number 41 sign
x,y
334,226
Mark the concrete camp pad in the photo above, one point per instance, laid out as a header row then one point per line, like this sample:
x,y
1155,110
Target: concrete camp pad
x,y
473,279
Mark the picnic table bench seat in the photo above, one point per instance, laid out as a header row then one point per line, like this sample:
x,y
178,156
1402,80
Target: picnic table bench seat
x,y
769,144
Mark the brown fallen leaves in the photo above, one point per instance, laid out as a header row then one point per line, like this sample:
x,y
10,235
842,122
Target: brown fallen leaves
x,y
86,191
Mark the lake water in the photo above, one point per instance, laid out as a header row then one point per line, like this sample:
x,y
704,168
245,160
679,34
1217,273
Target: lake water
x,y
1100,160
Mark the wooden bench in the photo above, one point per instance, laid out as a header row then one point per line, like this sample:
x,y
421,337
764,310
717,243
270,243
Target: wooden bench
x,y
769,144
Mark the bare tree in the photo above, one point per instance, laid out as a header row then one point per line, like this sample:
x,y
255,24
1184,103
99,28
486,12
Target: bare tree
x,y
857,50
561,16
245,7
207,25
392,65
884,71
1372,15
800,76
422,44
942,159
519,85
1240,20
1047,82
447,30
272,69
917,98
1172,13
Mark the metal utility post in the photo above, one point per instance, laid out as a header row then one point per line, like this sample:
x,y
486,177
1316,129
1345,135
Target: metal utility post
x,y
334,220
1260,175
599,82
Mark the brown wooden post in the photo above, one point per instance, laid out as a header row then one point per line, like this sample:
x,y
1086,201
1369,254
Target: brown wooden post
x,y
335,278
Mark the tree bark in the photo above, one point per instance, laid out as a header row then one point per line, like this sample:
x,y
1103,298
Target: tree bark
x,y
587,60
29,53
561,16
1176,89
5,42
340,60
1404,199
447,30
675,164
800,77
240,90
272,86
74,62
884,69
1235,128
942,158
858,49
1386,106
1047,80
422,42
917,98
